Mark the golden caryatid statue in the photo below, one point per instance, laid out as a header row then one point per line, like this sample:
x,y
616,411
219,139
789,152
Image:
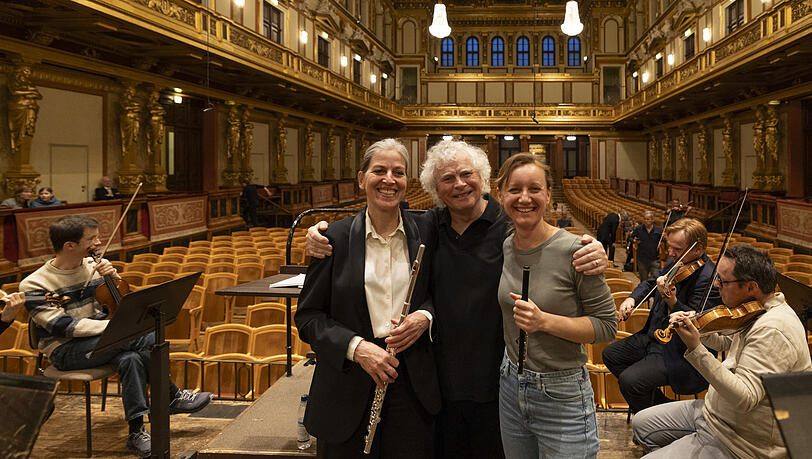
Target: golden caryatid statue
x,y
667,160
308,174
231,173
23,109
246,144
729,176
653,159
346,168
155,176
280,174
329,169
129,175
682,156
704,174
773,178
759,148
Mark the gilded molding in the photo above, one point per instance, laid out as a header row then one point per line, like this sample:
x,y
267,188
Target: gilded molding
x,y
759,148
256,46
346,169
329,170
682,156
171,9
741,41
281,172
246,143
155,175
800,8
308,174
729,176
705,170
653,159
666,146
773,180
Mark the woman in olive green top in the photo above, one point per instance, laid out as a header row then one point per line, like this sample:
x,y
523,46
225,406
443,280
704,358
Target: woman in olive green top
x,y
548,410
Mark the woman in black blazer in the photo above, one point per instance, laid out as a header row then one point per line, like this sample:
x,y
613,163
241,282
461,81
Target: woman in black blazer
x,y
346,310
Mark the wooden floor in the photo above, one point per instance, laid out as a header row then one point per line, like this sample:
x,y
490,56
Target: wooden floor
x,y
63,435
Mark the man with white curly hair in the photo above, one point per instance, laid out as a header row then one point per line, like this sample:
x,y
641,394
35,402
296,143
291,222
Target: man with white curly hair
x,y
467,250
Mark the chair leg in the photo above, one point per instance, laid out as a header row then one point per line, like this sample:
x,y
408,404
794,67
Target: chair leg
x,y
89,439
104,393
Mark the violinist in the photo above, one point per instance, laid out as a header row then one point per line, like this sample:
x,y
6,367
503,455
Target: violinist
x,y
735,418
641,363
9,305
67,333
676,211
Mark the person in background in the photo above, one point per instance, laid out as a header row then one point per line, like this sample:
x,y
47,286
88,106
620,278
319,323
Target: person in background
x,y
564,221
20,200
606,234
106,191
549,409
249,202
647,235
676,211
46,198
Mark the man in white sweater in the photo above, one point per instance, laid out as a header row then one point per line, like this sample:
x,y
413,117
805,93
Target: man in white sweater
x,y
734,419
67,333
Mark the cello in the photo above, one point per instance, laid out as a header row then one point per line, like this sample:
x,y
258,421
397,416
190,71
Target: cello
x,y
721,317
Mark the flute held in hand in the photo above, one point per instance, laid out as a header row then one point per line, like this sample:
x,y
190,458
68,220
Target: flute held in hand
x,y
522,333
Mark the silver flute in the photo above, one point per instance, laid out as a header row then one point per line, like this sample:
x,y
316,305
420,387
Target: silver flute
x,y
380,391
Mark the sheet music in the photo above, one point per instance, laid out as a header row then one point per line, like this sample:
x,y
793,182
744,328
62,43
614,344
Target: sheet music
x,y
295,281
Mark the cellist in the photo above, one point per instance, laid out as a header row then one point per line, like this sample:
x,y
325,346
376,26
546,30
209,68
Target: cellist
x,y
734,419
641,363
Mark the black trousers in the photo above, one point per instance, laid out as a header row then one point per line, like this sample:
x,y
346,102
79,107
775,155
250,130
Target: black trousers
x,y
468,429
406,429
640,373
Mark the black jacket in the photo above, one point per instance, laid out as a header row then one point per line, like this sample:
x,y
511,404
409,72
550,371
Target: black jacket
x,y
332,309
608,228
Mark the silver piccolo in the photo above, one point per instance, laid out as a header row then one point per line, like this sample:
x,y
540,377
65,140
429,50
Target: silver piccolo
x,y
380,391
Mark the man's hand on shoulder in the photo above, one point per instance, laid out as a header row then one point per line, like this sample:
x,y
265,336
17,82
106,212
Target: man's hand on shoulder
x,y
317,245
590,259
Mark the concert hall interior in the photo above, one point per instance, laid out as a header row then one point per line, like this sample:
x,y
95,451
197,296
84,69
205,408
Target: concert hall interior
x,y
198,132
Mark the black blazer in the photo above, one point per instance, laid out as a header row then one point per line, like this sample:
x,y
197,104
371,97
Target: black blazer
x,y
100,194
608,228
332,309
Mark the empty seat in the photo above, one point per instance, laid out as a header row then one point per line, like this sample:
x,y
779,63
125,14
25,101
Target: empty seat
x,y
613,273
267,313
270,340
799,267
186,328
140,266
620,285
158,278
220,267
800,258
166,267
135,278
215,306
148,257
226,339
176,250
185,370
229,377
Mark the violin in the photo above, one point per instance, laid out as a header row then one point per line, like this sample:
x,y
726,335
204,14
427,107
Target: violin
x,y
682,273
718,318
112,291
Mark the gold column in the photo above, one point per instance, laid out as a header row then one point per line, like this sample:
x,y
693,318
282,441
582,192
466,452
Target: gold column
x,y
758,147
705,168
493,154
346,167
653,159
524,140
329,170
729,176
666,146
129,175
280,174
773,180
155,174
22,122
246,144
363,145
308,174
231,173
682,155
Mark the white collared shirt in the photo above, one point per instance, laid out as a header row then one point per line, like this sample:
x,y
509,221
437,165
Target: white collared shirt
x,y
386,279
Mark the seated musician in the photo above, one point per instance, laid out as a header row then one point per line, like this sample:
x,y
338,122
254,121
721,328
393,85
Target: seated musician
x,y
641,363
346,312
10,304
67,333
734,419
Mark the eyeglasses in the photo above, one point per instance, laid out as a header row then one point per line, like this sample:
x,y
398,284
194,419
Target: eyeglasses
x,y
722,283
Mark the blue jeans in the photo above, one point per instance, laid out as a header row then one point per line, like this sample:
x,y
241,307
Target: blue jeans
x,y
131,360
547,415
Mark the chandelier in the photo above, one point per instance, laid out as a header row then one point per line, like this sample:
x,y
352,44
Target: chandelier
x,y
439,24
572,24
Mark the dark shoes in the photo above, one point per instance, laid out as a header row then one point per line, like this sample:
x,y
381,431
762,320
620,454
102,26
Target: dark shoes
x,y
140,443
189,402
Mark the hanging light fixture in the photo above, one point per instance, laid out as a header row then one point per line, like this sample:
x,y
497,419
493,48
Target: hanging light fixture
x,y
439,24
572,23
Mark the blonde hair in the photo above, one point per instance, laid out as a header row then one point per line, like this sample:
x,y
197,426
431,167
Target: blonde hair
x,y
694,231
518,160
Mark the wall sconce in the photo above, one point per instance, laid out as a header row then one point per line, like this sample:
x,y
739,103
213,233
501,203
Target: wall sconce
x,y
645,77
670,59
634,75
343,61
177,99
373,78
325,35
385,76
239,3
706,34
356,57
658,56
688,33
303,36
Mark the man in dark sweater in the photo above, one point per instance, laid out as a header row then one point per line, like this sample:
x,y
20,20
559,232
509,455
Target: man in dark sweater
x,y
647,235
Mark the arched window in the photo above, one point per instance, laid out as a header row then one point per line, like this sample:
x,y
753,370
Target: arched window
x,y
574,53
522,52
548,51
497,52
472,52
447,52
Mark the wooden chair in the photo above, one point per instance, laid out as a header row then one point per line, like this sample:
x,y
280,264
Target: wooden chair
x,y
780,258
119,265
18,361
800,258
220,238
799,266
595,350
596,378
257,230
271,264
172,257
765,246
228,251
197,258
139,266
226,339
613,273
249,251
244,245
11,287
193,267
195,244
214,306
780,267
176,250
221,245
158,278
186,328
780,251
271,340
246,272
267,313
220,267
248,259
148,257
229,378
167,267
636,321
620,297
199,251
9,338
235,234
804,278
136,278
221,259
185,370
620,285
274,368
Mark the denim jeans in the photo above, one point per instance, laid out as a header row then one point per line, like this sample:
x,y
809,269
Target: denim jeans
x,y
677,430
130,359
547,415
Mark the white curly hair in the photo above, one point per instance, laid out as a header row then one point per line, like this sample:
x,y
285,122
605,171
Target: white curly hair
x,y
445,152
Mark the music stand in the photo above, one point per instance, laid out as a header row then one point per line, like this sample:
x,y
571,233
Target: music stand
x,y
139,313
27,400
799,297
790,396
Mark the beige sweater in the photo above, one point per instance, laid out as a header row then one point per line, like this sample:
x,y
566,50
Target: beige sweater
x,y
736,406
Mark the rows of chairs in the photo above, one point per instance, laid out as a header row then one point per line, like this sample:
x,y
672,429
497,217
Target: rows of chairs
x,y
592,199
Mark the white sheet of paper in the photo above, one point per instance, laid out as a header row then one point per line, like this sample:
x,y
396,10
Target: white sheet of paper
x,y
295,281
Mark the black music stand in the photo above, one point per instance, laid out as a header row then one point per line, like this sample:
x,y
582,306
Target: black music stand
x,y
139,313
790,396
799,297
27,400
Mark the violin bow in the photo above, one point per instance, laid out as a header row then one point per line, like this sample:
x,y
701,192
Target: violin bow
x,y
668,276
709,287
113,233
